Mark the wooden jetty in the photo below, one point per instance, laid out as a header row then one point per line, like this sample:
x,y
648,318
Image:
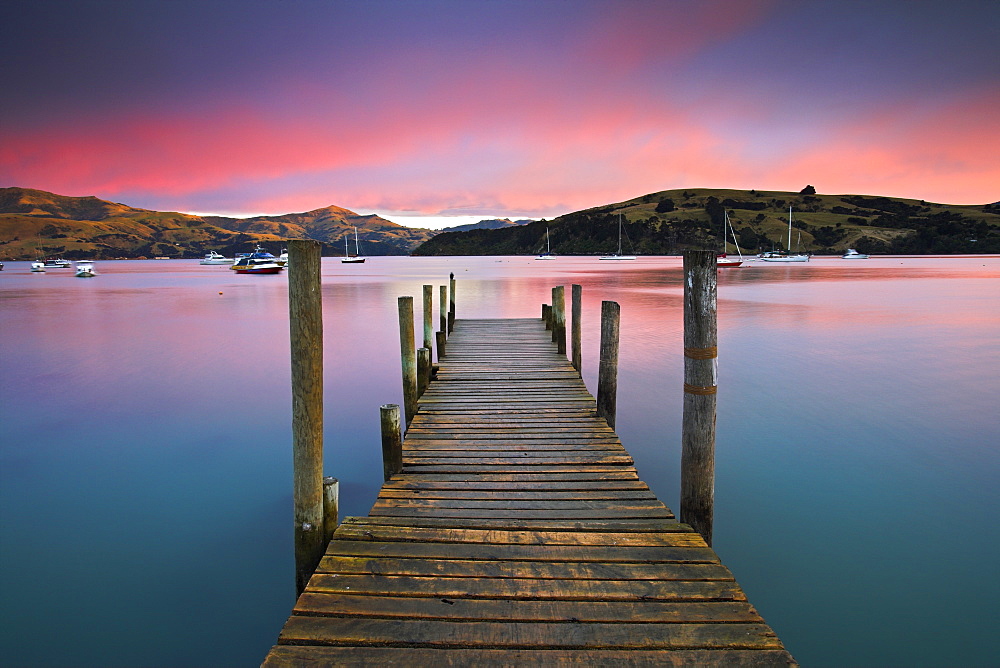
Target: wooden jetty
x,y
519,533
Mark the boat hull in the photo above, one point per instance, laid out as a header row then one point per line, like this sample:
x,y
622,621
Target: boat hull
x,y
352,260
261,269
618,257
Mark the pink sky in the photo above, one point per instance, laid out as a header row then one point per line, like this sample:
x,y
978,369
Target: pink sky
x,y
519,109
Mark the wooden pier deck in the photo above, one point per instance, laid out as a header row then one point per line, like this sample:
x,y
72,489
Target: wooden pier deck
x,y
519,533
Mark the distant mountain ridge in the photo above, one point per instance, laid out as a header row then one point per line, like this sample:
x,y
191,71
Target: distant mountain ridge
x,y
36,222
670,221
490,224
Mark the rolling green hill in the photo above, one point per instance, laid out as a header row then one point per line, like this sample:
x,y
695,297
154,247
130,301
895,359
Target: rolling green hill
x,y
668,222
36,223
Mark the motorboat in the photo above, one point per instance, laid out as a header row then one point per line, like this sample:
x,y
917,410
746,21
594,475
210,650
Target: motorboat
x,y
356,258
85,269
38,265
851,254
283,258
785,256
58,262
618,255
258,262
547,255
215,258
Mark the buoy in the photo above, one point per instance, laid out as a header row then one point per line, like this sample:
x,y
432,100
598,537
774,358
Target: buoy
x,y
220,293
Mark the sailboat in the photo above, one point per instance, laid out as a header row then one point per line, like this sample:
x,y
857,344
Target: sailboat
x,y
785,256
722,259
618,255
547,255
357,253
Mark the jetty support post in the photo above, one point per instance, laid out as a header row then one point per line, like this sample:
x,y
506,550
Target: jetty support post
x,y
607,373
423,370
700,388
442,341
429,316
451,303
559,318
409,358
442,313
577,337
305,310
392,441
331,508
547,315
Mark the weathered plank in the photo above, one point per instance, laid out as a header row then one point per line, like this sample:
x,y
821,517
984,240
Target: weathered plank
x,y
519,533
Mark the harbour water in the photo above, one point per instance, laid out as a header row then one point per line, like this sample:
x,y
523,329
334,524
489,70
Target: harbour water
x,y
145,465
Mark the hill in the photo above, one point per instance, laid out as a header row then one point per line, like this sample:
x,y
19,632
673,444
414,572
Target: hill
x,y
670,221
35,223
491,224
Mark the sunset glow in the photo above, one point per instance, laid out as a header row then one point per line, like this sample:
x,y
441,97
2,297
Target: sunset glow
x,y
497,109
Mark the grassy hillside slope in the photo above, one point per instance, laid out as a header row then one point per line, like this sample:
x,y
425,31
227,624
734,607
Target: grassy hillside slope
x,y
35,223
667,222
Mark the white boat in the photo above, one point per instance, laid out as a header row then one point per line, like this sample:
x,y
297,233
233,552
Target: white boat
x,y
214,258
58,262
356,258
851,254
618,255
722,259
283,258
785,256
85,269
547,255
258,262
38,265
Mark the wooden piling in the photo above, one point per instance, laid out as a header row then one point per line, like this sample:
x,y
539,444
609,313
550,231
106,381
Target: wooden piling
x,y
559,319
700,387
409,357
423,370
442,341
429,316
577,337
392,441
331,511
305,309
547,316
451,303
443,313
607,374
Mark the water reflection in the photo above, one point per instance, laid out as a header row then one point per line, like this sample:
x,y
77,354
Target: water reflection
x,y
147,415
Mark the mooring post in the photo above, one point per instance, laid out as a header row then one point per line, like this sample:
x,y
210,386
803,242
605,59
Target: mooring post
x,y
700,387
409,357
442,313
331,503
429,316
392,441
451,303
577,337
442,341
305,311
547,315
607,373
423,370
559,309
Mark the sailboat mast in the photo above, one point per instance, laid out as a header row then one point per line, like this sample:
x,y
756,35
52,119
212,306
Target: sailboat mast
x,y
789,229
357,250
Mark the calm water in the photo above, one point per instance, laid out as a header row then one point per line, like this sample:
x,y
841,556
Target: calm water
x,y
145,503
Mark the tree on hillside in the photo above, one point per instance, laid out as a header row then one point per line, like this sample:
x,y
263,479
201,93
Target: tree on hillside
x,y
715,211
665,206
808,190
